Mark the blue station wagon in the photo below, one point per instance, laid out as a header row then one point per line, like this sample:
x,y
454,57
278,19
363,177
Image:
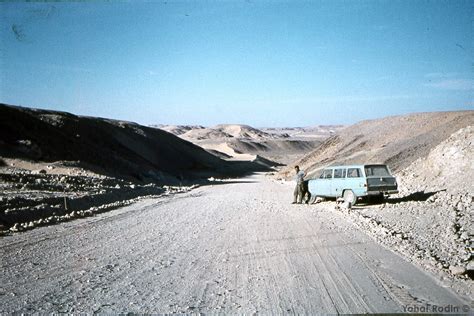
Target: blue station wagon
x,y
354,182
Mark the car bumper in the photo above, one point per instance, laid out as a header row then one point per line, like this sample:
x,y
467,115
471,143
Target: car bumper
x,y
385,192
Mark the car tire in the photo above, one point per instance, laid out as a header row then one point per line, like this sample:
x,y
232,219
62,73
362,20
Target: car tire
x,y
349,196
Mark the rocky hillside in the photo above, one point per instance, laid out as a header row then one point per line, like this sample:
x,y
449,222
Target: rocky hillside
x,y
449,166
111,147
397,141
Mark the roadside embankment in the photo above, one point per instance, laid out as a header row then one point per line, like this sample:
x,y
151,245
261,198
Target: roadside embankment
x,y
30,199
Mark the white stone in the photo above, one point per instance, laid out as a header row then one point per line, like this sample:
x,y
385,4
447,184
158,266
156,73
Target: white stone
x,y
457,270
470,266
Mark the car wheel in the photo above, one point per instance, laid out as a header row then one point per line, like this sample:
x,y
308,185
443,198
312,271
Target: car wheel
x,y
349,196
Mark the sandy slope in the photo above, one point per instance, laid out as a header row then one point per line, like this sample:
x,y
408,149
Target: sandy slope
x,y
396,140
281,145
231,247
109,147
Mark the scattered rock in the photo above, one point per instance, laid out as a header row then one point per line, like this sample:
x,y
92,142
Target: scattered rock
x,y
470,266
457,270
318,200
16,227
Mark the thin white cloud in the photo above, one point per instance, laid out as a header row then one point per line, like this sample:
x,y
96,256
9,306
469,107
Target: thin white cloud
x,y
452,84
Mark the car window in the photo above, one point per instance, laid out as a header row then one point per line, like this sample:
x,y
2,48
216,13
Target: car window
x,y
327,174
354,173
339,173
378,171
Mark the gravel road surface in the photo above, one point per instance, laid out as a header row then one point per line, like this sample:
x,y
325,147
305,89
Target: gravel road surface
x,y
233,247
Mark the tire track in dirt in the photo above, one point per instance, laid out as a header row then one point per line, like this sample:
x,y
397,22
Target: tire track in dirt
x,y
235,247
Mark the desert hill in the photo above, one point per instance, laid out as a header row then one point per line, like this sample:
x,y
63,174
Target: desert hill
x,y
177,129
316,132
118,148
242,142
244,131
221,131
397,141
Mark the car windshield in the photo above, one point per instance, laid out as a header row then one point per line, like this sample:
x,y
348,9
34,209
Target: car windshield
x,y
377,171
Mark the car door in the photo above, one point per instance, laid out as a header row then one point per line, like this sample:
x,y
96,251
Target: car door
x,y
356,181
326,182
322,185
339,182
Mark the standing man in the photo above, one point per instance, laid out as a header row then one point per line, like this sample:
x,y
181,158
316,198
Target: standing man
x,y
299,190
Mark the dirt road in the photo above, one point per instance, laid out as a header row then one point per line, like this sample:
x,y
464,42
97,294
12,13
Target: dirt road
x,y
235,247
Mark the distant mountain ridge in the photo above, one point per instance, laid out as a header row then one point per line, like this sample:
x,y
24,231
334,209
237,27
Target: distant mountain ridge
x,y
177,129
246,131
317,131
281,145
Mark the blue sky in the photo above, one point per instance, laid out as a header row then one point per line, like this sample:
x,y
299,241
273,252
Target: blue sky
x,y
263,63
